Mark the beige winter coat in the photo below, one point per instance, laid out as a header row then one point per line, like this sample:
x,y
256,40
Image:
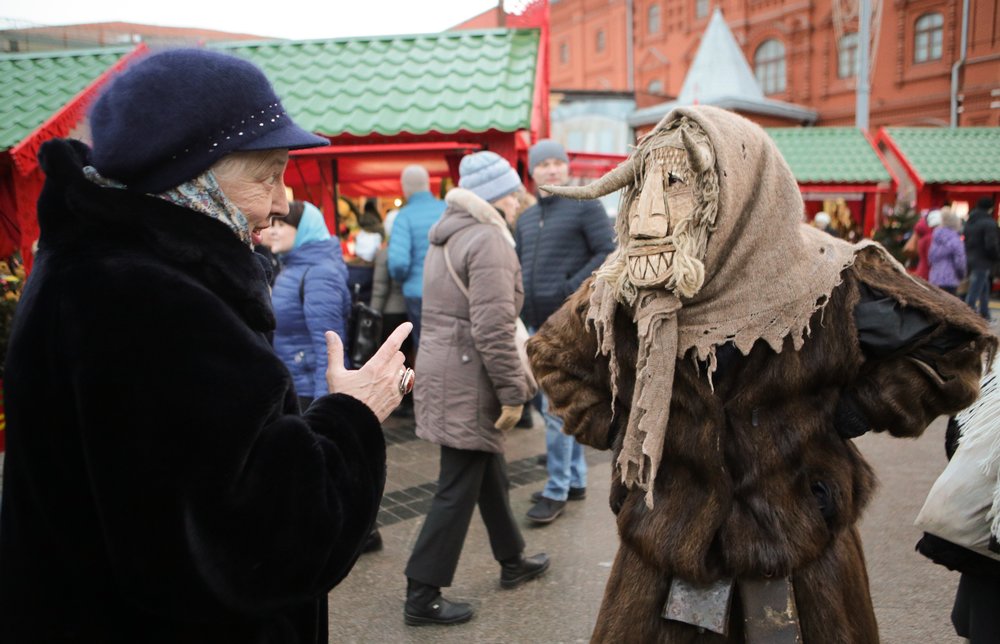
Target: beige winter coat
x,y
467,364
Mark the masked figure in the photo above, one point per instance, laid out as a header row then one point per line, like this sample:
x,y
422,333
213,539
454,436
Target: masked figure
x,y
737,352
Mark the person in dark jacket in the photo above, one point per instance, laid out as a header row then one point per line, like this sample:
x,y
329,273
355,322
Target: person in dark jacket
x,y
160,484
310,296
559,243
982,249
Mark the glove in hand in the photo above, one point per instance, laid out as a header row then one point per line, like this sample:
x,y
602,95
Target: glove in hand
x,y
509,415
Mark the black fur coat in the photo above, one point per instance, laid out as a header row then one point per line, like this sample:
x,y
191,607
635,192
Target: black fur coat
x,y
160,484
757,479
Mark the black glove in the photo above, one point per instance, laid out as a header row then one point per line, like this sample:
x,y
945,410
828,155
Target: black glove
x,y
848,418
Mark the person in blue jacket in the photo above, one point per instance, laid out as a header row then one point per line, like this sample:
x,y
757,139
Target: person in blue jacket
x,y
408,244
310,296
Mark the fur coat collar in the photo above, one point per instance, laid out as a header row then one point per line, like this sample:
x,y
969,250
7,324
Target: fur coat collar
x,y
74,211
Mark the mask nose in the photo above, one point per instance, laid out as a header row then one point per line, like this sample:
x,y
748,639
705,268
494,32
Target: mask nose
x,y
651,219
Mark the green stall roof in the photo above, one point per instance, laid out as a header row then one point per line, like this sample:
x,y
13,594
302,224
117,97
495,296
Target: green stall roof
x,y
464,80
35,86
950,155
829,155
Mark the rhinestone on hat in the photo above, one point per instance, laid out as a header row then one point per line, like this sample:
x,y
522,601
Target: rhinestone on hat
x,y
271,112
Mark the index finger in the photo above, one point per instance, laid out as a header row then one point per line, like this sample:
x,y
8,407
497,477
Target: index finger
x,y
391,345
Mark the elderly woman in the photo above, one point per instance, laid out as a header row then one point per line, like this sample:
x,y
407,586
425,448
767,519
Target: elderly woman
x,y
160,483
475,386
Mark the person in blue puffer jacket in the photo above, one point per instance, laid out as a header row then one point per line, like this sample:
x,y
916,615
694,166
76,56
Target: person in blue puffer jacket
x,y
310,296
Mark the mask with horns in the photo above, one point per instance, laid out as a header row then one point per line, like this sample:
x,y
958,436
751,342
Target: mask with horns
x,y
669,203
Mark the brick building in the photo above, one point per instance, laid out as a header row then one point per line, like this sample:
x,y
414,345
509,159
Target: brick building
x,y
803,52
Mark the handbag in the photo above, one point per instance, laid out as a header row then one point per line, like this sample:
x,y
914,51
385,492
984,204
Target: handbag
x,y
364,330
963,504
364,333
520,331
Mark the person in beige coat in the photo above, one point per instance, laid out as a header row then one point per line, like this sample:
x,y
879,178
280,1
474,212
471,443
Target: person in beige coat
x,y
472,386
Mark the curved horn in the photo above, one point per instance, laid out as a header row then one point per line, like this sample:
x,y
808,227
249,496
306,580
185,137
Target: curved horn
x,y
699,156
617,178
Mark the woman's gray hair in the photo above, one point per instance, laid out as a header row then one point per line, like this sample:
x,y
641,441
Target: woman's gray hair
x,y
246,164
950,220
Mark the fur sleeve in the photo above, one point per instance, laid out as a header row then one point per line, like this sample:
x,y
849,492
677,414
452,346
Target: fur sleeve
x,y
566,363
903,392
197,470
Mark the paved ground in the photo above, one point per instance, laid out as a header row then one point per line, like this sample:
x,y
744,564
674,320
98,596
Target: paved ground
x,y
912,597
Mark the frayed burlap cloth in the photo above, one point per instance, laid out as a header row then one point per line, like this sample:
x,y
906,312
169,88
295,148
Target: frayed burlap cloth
x,y
766,274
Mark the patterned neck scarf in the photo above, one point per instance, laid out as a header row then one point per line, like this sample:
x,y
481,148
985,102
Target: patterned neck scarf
x,y
201,194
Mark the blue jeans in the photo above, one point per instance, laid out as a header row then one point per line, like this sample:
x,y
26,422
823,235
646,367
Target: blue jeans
x,y
565,459
978,296
413,305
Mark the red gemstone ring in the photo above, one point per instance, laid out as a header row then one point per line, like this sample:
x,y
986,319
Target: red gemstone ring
x,y
406,378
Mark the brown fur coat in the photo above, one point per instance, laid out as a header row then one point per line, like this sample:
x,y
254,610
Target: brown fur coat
x,y
736,492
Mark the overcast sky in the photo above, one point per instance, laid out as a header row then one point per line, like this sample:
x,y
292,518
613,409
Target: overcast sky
x,y
295,19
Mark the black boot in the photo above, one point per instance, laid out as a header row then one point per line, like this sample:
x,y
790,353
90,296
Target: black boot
x,y
373,543
425,605
516,571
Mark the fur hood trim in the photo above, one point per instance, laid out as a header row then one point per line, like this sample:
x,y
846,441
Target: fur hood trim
x,y
480,210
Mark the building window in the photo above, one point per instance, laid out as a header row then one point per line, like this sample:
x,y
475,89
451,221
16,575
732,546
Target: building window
x,y
700,8
928,38
655,87
769,66
600,40
564,53
653,19
847,56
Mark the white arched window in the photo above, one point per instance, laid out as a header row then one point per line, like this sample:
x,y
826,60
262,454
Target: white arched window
x,y
847,56
700,8
653,19
600,40
769,66
928,38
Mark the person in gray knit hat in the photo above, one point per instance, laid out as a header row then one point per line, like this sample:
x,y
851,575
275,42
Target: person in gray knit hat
x,y
472,386
560,242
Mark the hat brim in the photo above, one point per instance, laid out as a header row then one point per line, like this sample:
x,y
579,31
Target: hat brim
x,y
290,137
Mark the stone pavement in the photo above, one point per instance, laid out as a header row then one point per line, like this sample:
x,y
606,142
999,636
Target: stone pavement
x,y
912,596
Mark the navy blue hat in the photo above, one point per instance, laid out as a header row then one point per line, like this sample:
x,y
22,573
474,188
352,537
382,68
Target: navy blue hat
x,y
174,114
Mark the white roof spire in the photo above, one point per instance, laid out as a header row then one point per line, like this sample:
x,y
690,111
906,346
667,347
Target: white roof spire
x,y
719,68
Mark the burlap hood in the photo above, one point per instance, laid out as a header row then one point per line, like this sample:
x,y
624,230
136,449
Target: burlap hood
x,y
766,274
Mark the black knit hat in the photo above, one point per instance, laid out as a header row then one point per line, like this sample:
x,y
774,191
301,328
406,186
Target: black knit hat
x,y
172,115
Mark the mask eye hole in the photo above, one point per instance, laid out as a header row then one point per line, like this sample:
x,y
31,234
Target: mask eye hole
x,y
673,179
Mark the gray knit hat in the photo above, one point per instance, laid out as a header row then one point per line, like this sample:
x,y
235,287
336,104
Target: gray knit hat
x,y
545,149
488,175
